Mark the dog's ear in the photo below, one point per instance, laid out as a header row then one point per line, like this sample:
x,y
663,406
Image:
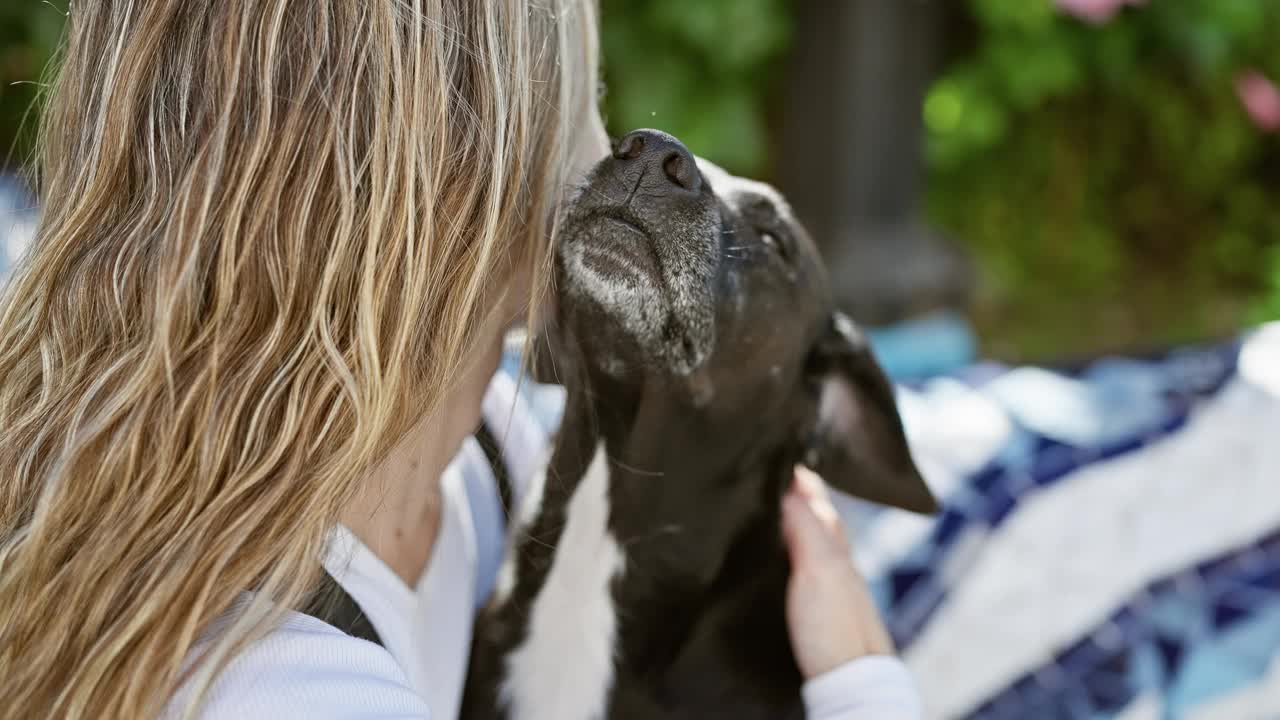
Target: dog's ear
x,y
858,445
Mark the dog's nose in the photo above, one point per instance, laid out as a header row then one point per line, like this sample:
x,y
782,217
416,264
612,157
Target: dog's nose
x,y
659,152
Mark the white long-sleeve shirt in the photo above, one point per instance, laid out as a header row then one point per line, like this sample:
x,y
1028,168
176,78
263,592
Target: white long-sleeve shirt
x,y
305,668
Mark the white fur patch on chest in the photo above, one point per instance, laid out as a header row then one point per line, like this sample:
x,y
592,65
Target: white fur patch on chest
x,y
564,670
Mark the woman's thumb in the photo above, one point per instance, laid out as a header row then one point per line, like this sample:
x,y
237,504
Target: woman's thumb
x,y
810,524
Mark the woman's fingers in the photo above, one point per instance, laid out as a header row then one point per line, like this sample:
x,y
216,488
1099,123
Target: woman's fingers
x,y
811,524
830,615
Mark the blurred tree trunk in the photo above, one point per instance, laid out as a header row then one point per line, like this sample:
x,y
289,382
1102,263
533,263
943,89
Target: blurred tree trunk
x,y
852,154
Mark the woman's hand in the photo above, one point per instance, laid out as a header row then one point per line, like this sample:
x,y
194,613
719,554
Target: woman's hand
x,y
830,614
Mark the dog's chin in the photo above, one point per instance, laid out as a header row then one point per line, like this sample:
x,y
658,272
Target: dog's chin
x,y
640,318
611,249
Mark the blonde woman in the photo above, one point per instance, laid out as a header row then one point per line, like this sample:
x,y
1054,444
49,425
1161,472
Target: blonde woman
x,y
281,242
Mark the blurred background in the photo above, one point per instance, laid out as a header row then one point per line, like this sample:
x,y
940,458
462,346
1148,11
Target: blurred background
x,y
1062,218
1109,168
1075,177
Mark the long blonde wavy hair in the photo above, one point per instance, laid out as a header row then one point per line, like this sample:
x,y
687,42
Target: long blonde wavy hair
x,y
270,229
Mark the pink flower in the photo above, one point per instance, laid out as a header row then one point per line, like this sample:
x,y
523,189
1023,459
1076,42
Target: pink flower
x,y
1261,99
1095,11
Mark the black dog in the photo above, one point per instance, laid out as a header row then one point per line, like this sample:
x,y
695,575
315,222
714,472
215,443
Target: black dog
x,y
703,360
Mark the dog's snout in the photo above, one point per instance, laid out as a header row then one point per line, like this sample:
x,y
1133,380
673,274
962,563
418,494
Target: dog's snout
x,y
657,152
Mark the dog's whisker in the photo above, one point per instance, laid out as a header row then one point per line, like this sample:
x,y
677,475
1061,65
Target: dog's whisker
x,y
543,543
603,195
638,471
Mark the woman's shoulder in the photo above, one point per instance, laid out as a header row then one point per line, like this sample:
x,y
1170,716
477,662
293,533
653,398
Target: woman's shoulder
x,y
305,668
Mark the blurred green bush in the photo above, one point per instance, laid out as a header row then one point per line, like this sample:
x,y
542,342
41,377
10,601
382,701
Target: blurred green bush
x,y
1108,177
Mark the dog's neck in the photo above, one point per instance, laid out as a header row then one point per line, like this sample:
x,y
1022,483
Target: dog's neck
x,y
680,491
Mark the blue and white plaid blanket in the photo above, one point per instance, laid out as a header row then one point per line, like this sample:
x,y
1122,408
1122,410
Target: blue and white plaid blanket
x,y
17,221
1110,543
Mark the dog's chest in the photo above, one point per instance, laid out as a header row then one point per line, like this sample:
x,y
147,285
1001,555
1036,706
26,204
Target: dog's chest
x,y
564,668
680,655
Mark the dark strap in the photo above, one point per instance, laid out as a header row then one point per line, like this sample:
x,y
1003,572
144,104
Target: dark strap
x,y
493,453
332,604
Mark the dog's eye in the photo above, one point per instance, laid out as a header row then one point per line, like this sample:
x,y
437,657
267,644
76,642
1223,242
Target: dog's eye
x,y
775,244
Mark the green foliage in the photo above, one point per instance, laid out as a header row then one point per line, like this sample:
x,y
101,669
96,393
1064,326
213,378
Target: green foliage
x,y
29,32
1268,309
1108,178
700,70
